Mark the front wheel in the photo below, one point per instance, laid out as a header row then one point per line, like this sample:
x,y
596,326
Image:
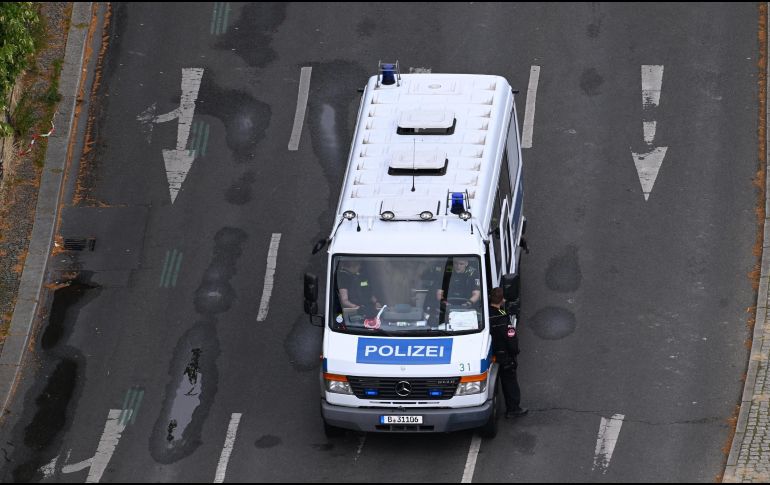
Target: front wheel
x,y
489,429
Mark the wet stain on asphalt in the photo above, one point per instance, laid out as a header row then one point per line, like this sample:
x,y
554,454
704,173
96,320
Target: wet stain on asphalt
x,y
215,293
331,119
49,420
251,35
48,403
267,441
303,345
52,405
193,367
189,394
563,273
553,323
187,398
245,118
240,192
591,81
332,111
67,301
331,122
193,373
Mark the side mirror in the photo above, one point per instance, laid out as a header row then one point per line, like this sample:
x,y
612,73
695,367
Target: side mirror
x,y
311,300
311,288
311,307
510,284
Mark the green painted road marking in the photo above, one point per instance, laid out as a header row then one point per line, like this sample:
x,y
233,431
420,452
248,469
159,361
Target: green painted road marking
x,y
165,270
140,395
131,404
176,269
205,139
214,17
191,141
171,266
219,18
227,17
199,139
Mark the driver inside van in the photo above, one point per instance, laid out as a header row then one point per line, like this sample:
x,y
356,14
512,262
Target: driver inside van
x,y
354,288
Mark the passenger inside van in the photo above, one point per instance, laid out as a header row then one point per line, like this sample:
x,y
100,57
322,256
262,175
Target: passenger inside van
x,y
461,281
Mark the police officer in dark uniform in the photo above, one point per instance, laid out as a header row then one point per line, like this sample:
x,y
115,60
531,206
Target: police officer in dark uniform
x,y
354,288
505,344
461,281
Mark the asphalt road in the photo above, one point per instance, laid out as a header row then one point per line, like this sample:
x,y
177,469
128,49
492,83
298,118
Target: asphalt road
x,y
631,307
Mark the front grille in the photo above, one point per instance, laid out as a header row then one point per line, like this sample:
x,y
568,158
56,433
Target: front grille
x,y
422,388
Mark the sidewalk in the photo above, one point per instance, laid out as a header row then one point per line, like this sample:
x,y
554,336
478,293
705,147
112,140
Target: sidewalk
x,y
35,265
749,459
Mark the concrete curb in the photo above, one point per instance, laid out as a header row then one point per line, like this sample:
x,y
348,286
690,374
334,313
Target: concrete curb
x,y
758,359
46,213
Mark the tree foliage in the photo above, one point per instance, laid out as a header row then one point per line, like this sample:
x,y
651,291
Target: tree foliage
x,y
17,22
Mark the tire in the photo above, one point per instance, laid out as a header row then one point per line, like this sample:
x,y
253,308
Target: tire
x,y
489,430
332,431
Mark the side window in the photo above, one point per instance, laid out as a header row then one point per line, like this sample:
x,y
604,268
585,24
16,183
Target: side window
x,y
505,188
495,227
516,220
505,177
488,265
504,233
512,147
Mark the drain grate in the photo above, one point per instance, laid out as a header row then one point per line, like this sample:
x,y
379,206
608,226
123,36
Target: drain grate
x,y
79,244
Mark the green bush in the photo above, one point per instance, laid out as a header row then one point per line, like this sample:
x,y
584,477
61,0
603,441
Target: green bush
x,y
24,118
18,20
52,96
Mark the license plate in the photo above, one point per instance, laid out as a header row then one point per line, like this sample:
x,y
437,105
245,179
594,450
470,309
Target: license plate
x,y
397,419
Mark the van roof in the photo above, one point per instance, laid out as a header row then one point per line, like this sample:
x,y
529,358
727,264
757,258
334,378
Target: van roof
x,y
416,142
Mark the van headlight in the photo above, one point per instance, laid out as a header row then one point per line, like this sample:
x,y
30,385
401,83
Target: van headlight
x,y
337,383
472,385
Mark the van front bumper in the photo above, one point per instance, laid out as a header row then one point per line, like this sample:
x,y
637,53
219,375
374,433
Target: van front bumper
x,y
434,420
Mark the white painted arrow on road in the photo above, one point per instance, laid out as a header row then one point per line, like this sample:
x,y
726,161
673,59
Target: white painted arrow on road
x,y
609,430
652,80
648,163
179,160
117,419
647,166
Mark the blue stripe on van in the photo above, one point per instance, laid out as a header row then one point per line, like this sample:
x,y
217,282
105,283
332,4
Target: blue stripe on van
x,y
487,362
404,351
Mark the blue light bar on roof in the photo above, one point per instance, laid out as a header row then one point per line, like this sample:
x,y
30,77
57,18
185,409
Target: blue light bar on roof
x,y
388,74
458,203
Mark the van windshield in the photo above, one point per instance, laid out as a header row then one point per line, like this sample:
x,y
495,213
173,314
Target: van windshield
x,y
406,295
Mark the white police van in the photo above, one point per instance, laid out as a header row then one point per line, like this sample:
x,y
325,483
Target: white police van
x,y
429,221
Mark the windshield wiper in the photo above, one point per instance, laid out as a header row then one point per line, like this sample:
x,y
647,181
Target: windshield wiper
x,y
436,331
366,331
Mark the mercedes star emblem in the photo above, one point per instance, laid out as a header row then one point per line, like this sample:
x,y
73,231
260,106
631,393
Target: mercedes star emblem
x,y
403,388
